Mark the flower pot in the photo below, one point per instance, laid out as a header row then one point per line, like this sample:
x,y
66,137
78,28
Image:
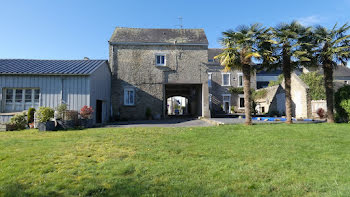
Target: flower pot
x,y
86,123
47,126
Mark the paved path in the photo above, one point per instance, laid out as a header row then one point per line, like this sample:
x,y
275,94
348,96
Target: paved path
x,y
241,121
162,123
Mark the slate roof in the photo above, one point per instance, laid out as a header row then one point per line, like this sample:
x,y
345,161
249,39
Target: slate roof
x,y
342,71
169,36
49,67
211,54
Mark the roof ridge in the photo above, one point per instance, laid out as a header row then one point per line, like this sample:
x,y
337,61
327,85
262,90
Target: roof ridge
x,y
159,28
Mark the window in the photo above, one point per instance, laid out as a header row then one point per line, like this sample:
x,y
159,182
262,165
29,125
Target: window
x,y
226,79
129,96
209,79
160,60
241,101
20,99
240,79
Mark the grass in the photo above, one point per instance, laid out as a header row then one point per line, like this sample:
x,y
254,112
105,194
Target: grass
x,y
261,160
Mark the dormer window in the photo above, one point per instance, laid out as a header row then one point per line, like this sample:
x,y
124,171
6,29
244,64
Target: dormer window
x,y
160,60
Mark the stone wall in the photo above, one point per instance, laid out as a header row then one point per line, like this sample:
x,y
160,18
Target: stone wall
x,y
135,66
301,106
217,90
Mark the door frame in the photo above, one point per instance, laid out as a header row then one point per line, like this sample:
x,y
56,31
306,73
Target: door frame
x,y
229,103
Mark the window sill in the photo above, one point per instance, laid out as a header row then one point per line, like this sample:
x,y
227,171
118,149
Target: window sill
x,y
160,65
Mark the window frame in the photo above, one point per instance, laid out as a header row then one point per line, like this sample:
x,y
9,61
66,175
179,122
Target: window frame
x,y
229,79
210,79
239,101
238,81
126,90
160,55
229,102
15,105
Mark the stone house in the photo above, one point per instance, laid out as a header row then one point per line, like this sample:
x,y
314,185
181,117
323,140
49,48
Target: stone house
x,y
151,65
274,101
221,99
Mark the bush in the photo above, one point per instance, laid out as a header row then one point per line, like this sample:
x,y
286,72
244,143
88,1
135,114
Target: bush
x,y
342,94
31,112
316,83
278,82
70,115
86,112
61,109
44,114
19,121
320,112
345,104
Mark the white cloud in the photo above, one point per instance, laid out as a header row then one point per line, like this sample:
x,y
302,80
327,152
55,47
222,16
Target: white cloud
x,y
310,20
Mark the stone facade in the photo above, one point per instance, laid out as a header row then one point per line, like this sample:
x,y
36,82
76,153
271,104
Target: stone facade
x,y
188,63
133,65
301,99
218,90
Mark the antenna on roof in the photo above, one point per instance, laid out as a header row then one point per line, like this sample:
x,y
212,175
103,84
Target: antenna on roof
x,y
180,22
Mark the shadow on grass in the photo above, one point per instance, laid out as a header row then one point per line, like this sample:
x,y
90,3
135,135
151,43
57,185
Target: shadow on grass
x,y
123,187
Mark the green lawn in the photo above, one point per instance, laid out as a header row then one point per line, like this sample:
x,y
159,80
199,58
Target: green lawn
x,y
261,160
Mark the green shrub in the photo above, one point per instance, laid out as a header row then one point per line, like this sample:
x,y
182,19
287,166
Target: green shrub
x,y
345,104
44,114
31,112
61,109
316,83
342,94
278,82
19,121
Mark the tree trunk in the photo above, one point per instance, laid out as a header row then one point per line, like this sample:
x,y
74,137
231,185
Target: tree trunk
x,y
287,85
328,84
247,94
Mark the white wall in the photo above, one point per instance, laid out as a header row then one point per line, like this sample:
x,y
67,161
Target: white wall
x,y
100,86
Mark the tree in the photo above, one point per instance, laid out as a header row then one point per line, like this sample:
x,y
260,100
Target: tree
x,y
315,82
240,48
291,54
277,82
330,48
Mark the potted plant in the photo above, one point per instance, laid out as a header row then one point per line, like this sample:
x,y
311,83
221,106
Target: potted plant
x,y
60,110
70,119
17,122
86,115
43,115
31,112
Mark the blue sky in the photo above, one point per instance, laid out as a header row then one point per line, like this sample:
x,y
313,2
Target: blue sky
x,y
73,29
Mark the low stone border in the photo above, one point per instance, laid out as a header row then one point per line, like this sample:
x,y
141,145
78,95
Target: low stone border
x,y
211,121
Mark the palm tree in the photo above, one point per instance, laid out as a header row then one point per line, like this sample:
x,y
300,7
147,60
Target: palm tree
x,y
291,54
331,47
240,48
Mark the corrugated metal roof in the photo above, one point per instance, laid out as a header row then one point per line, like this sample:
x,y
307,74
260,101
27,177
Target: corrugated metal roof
x,y
49,67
